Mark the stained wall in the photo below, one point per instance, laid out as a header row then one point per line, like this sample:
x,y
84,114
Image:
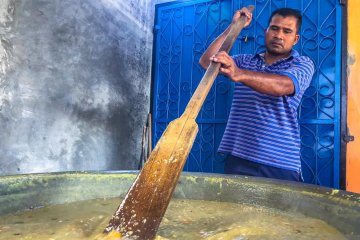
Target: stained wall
x,y
74,84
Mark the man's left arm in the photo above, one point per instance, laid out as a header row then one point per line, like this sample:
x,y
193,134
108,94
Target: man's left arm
x,y
267,83
286,83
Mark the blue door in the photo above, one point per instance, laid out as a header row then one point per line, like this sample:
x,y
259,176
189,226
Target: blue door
x,y
182,32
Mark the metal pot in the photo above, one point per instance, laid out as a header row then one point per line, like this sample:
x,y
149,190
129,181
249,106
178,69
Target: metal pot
x,y
338,208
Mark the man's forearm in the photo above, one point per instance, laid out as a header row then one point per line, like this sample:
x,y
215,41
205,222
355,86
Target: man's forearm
x,y
213,48
267,83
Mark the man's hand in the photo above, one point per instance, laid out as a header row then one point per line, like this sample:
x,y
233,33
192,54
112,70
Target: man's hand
x,y
238,14
215,45
228,66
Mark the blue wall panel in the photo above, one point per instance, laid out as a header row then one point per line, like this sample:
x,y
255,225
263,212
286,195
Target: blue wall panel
x,y
185,29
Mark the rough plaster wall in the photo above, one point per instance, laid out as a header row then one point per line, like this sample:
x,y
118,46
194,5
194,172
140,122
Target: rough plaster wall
x,y
74,83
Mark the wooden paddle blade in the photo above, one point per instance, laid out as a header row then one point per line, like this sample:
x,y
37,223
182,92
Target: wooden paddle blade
x,y
140,213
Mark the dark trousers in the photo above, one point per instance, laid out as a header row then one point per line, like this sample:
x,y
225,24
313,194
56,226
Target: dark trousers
x,y
236,165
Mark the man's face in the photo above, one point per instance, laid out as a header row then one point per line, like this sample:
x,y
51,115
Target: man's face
x,y
281,35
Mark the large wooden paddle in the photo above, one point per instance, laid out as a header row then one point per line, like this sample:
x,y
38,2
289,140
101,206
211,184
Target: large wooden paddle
x,y
140,213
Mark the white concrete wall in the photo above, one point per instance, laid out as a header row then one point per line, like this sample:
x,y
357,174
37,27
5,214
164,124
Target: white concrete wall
x,y
74,83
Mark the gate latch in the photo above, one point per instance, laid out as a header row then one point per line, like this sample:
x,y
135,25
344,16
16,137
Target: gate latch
x,y
348,137
246,38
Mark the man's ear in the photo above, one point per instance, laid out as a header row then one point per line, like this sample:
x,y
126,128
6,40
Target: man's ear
x,y
297,37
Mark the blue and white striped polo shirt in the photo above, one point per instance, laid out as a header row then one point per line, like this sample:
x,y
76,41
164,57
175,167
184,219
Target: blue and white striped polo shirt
x,y
263,128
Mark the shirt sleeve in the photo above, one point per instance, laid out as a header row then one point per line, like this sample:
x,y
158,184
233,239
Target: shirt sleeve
x,y
301,72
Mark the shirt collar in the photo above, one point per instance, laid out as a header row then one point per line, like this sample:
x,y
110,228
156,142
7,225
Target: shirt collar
x,y
292,55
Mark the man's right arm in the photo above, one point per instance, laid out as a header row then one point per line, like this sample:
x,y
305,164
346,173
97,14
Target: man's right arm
x,y
216,44
213,48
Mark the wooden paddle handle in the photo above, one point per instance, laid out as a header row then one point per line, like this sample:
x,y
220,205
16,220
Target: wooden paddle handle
x,y
199,96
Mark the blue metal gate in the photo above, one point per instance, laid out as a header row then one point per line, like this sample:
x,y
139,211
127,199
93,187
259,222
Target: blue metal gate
x,y
182,32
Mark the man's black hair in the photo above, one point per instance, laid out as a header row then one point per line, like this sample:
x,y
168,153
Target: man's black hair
x,y
286,12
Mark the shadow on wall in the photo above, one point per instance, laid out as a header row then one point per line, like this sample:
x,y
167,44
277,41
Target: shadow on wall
x,y
74,84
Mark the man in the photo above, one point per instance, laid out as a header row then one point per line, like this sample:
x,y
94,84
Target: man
x,y
262,135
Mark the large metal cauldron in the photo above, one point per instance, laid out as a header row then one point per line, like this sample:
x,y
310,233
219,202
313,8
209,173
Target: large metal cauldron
x,y
338,208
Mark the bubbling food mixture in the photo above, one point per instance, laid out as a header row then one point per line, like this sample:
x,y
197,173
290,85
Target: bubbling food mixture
x,y
184,219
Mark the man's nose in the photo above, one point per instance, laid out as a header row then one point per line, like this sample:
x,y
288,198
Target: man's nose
x,y
279,35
